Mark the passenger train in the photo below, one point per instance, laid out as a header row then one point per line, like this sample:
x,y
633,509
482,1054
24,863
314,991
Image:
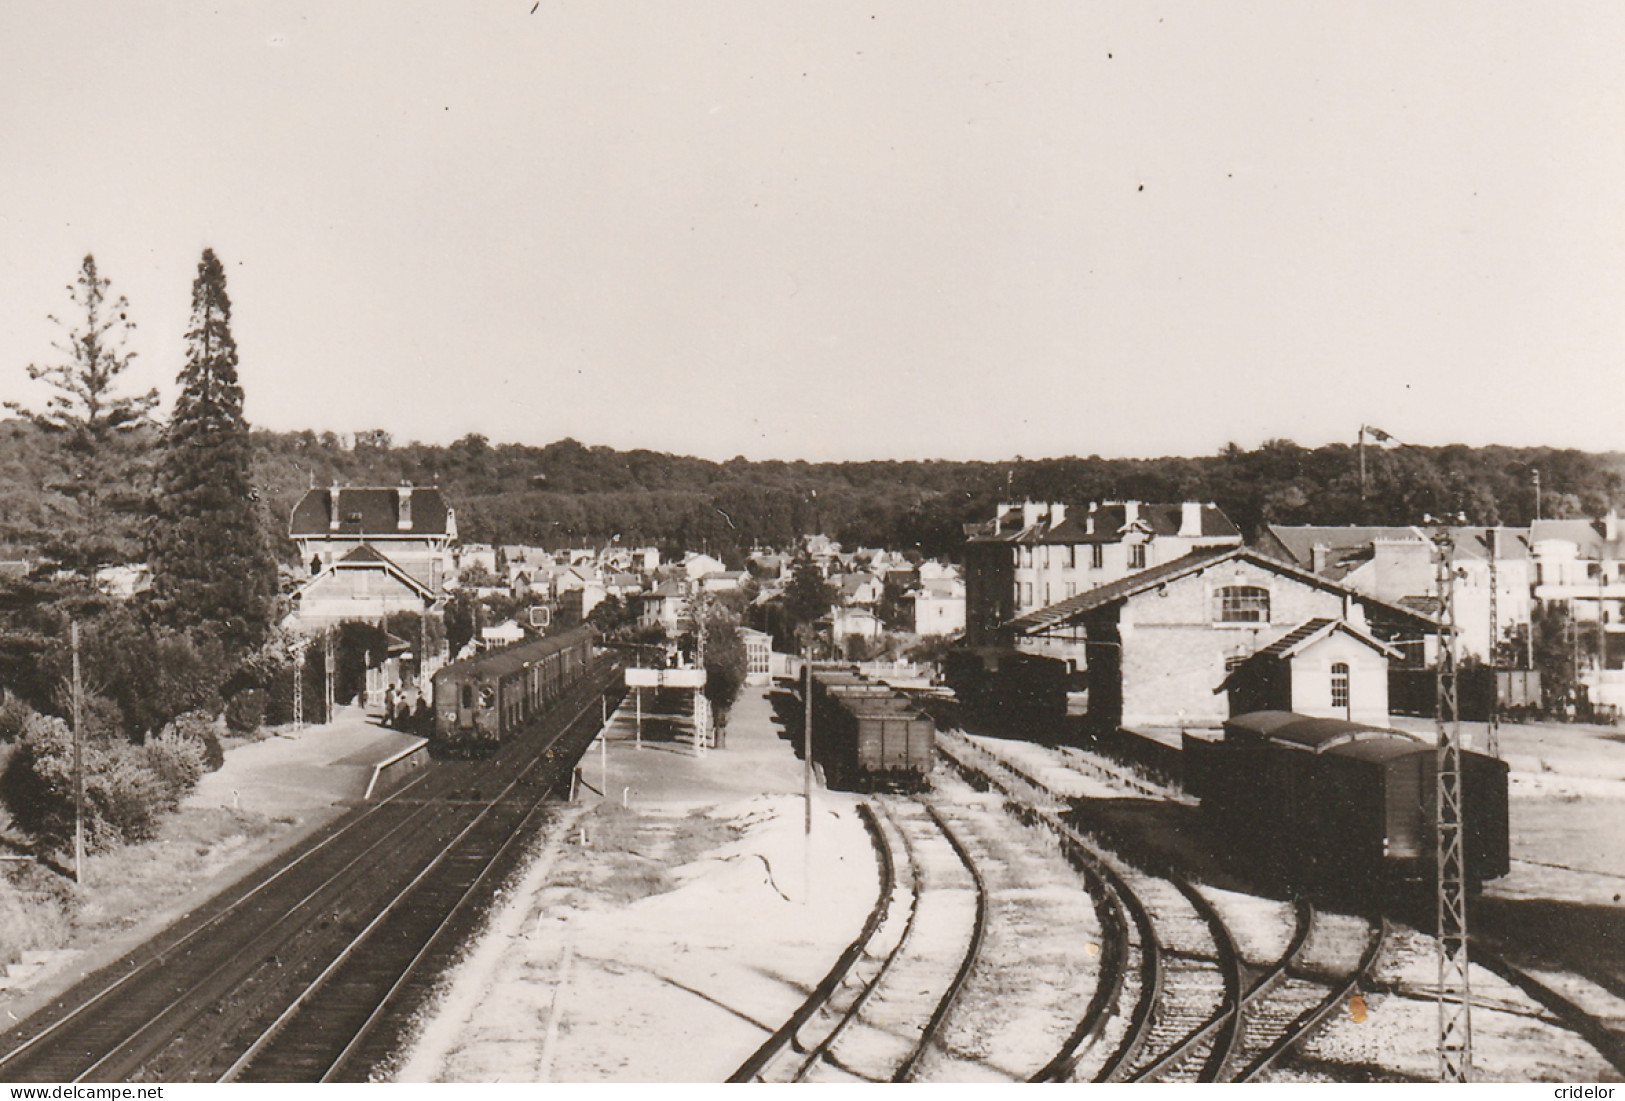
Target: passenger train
x,y
481,701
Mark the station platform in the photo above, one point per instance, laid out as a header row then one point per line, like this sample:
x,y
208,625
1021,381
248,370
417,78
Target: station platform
x,y
756,760
295,773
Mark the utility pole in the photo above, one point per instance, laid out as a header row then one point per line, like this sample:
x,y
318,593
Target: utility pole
x,y
1492,734
1536,476
1455,1033
78,763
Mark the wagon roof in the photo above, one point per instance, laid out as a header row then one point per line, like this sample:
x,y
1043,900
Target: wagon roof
x,y
1377,750
517,656
1305,732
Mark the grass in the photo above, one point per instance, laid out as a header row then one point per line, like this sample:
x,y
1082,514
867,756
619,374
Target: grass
x,y
632,855
124,887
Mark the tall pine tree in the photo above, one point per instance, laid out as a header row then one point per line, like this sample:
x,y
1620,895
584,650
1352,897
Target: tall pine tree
x,y
212,568
102,433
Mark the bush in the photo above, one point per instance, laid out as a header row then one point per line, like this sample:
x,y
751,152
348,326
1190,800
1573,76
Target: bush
x,y
246,711
200,729
177,761
127,787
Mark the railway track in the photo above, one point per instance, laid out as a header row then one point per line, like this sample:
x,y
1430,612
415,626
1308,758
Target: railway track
x,y
1192,1009
880,1011
379,890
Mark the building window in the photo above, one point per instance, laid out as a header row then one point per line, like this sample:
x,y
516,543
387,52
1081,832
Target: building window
x,y
1097,556
1048,601
1136,556
1340,685
1244,604
1026,592
1071,589
1026,556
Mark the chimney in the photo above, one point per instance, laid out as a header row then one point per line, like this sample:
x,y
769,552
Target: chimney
x,y
1002,511
1610,526
1057,515
403,508
1190,520
1131,512
334,516
1320,556
1031,513
1089,521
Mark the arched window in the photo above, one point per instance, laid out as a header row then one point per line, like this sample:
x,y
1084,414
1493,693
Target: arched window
x,y
1243,604
1340,684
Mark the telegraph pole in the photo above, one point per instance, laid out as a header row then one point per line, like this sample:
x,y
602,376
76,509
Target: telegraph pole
x,y
1455,1034
1492,734
78,763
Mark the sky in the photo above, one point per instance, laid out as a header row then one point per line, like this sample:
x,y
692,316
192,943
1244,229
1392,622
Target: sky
x,y
902,229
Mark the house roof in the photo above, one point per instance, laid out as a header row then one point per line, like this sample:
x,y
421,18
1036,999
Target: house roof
x,y
1349,547
371,511
369,558
1301,637
1070,610
1110,521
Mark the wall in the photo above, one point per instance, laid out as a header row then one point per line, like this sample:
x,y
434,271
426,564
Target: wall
x,y
1174,654
1368,680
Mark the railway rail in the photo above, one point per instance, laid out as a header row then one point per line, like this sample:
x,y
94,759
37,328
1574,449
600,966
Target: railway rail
x,y
1193,1010
379,891
881,1009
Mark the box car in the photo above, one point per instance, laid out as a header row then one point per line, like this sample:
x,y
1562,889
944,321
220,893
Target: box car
x,y
1322,801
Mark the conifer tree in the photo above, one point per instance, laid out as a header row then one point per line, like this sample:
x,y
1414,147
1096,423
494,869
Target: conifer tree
x,y
99,429
212,568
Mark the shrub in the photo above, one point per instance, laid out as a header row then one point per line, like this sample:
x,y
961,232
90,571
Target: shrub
x,y
177,761
246,711
127,787
201,729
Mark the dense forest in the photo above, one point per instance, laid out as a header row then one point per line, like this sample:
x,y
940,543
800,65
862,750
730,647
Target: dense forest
x,y
567,493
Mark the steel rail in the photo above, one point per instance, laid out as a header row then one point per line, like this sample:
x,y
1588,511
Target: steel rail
x,y
287,924
820,1051
752,1067
247,1057
1222,1026
978,930
1300,1029
341,829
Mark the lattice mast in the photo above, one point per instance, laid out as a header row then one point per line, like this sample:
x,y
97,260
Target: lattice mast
x,y
1454,990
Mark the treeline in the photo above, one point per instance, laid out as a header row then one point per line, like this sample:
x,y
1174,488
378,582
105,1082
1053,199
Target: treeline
x,y
569,494
566,493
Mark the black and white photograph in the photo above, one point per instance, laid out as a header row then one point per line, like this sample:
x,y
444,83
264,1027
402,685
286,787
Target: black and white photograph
x,y
561,543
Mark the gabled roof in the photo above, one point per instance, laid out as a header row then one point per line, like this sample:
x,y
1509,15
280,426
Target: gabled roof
x,y
1300,541
366,557
1070,610
371,511
1301,637
1110,522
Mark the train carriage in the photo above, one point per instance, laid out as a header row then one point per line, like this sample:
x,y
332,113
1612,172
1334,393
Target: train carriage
x,y
1323,801
480,702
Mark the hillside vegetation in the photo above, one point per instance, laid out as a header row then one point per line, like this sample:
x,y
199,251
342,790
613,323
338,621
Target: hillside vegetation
x,y
569,493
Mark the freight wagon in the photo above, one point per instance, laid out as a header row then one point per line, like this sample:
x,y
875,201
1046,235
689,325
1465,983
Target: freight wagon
x,y
868,736
482,701
1323,802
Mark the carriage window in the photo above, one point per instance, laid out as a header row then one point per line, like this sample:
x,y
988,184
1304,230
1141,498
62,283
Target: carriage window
x,y
1340,684
1244,604
468,696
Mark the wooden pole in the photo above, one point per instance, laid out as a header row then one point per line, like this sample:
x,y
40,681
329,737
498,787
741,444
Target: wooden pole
x,y
78,764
